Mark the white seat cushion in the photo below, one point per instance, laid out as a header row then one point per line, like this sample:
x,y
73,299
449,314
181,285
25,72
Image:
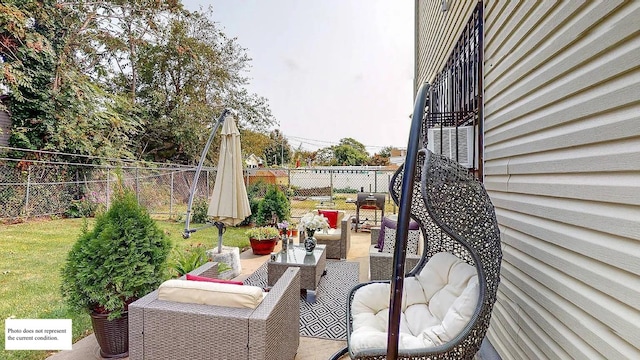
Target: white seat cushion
x,y
331,234
208,293
436,306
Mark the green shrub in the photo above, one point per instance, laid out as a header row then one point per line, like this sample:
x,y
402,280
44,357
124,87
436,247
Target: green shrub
x,y
257,189
200,208
346,190
274,202
255,192
82,208
120,260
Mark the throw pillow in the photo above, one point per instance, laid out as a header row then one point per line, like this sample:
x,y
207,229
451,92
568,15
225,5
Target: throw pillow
x,y
388,222
207,279
390,241
332,217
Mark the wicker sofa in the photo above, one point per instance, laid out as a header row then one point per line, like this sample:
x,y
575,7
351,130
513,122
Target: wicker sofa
x,y
171,330
338,241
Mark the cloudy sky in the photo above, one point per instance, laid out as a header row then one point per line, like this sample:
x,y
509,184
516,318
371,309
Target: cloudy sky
x,y
331,69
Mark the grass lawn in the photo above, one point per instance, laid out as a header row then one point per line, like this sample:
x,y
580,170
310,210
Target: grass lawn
x,y
32,255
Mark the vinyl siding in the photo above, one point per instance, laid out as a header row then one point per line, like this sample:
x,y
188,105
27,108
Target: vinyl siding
x,y
436,34
562,166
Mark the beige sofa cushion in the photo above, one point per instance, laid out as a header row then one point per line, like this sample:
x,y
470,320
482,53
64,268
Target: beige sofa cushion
x,y
331,234
208,293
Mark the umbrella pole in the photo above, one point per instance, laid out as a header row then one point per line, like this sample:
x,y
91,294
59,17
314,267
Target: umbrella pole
x,y
221,230
187,231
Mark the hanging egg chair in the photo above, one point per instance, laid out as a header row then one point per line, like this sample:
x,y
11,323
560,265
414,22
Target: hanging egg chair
x,y
441,308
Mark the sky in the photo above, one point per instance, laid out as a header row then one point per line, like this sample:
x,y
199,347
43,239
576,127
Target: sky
x,y
330,69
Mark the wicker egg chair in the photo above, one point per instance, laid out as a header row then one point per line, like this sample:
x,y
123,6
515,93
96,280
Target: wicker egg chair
x,y
456,216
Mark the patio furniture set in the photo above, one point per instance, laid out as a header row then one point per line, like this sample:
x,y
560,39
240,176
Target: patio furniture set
x,y
442,310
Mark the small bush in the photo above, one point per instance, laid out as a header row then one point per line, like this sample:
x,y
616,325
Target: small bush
x,y
200,208
255,192
82,208
274,202
346,190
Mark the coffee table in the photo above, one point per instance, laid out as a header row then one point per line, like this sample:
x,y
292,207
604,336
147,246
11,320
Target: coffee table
x,y
312,267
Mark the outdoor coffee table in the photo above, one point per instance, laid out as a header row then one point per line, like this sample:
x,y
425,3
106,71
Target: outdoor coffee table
x,y
312,267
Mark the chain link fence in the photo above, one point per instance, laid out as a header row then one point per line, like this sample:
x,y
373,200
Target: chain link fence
x,y
40,188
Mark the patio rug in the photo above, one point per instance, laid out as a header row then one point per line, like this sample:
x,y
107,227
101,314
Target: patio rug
x,y
327,318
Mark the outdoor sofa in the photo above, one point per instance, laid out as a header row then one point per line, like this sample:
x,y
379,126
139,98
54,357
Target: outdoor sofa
x,y
161,329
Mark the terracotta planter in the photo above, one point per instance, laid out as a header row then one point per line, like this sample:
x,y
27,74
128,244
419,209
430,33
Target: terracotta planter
x,y
263,247
112,335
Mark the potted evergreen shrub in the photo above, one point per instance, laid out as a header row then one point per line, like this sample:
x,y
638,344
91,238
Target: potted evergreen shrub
x,y
118,261
263,239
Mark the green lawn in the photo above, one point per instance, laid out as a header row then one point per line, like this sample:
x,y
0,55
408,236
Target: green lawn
x,y
32,254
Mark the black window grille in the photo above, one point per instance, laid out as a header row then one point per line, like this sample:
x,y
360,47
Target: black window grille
x,y
455,99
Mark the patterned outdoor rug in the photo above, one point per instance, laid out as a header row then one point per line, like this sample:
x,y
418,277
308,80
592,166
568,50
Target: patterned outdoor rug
x,y
326,318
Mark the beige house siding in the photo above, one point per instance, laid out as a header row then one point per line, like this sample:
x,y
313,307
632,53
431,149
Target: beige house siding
x,y
562,166
436,37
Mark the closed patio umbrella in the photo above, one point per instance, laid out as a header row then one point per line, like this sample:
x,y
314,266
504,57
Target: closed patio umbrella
x,y
229,203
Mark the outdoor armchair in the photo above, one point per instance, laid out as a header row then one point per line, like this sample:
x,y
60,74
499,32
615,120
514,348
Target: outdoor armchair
x,y
338,240
160,329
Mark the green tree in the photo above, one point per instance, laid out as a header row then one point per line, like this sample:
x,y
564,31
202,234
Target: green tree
x,y
381,158
306,158
55,105
326,156
378,160
385,151
187,76
253,142
278,151
347,155
121,78
347,152
350,152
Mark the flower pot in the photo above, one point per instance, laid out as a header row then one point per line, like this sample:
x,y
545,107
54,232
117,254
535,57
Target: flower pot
x,y
112,335
263,247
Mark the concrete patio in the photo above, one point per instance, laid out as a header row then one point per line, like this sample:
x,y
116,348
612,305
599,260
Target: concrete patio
x,y
310,348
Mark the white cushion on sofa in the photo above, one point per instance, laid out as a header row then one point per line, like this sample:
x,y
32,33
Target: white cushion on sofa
x,y
208,293
436,306
331,234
